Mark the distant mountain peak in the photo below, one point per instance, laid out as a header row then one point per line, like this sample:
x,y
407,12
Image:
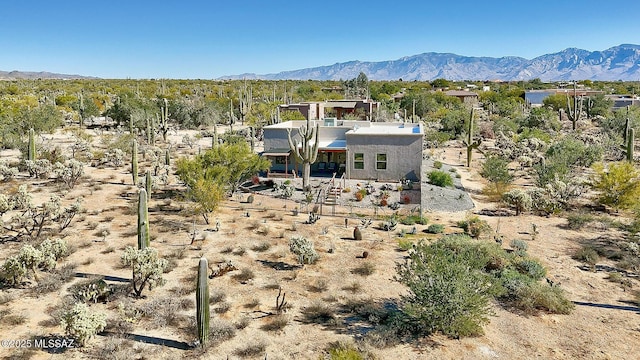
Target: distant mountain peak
x,y
620,62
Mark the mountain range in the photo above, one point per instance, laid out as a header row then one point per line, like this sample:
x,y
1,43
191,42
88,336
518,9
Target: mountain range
x,y
620,62
14,75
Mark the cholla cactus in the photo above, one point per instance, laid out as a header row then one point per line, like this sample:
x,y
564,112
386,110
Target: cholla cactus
x,y
22,199
519,199
80,323
31,258
303,248
13,270
40,168
147,268
6,204
7,172
114,157
69,173
52,251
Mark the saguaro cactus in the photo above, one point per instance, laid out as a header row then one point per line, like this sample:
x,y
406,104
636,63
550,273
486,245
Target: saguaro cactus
x,y
574,113
629,146
81,109
468,142
164,120
305,152
167,157
143,220
202,302
31,151
246,100
148,184
357,234
214,139
134,162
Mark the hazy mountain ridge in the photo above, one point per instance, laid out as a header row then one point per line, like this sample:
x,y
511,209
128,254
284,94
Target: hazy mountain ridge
x,y
16,75
620,62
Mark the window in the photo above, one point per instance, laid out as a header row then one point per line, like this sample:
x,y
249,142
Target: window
x,y
358,160
381,161
281,160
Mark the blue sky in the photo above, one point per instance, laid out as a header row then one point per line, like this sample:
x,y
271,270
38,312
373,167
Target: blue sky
x,y
209,39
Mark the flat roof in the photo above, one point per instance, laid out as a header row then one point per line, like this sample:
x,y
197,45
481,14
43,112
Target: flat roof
x,y
387,130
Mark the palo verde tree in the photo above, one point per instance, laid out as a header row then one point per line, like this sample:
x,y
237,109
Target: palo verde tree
x,y
227,165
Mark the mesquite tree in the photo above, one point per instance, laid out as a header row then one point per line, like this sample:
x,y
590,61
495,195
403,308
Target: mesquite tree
x,y
306,151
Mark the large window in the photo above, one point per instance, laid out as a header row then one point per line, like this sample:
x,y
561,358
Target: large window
x,y
358,160
381,161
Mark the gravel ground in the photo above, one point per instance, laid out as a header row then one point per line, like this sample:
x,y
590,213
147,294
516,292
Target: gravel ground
x,y
433,198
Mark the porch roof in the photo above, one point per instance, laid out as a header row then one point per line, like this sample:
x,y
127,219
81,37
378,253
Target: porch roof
x,y
277,152
332,145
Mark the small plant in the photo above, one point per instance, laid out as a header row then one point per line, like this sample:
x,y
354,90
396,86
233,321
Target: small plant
x,y
435,229
277,323
80,323
251,350
474,226
319,313
263,246
519,245
404,244
440,178
303,248
366,269
245,275
437,164
587,255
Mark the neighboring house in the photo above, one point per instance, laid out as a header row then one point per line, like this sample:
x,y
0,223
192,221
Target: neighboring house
x,y
535,98
318,110
358,149
621,101
467,97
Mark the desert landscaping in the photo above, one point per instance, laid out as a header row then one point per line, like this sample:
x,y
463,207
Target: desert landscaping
x,y
268,300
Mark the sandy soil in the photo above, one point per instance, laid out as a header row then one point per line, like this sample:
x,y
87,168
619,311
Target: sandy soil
x,y
603,326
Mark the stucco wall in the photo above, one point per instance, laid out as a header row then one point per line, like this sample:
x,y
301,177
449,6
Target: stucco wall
x,y
404,156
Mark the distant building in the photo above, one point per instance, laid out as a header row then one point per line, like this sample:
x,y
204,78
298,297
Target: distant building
x,y
358,149
467,97
339,108
622,101
535,98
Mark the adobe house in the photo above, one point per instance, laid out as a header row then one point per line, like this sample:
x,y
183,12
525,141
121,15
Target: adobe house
x,y
467,97
353,148
338,108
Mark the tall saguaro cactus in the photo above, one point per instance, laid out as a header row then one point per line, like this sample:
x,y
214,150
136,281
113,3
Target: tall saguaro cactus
x,y
305,152
202,302
81,109
148,184
143,220
574,113
134,162
164,120
468,142
629,145
31,151
246,100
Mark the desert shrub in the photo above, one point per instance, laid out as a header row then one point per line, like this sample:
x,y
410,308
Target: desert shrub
x,y
318,313
538,296
414,219
277,323
519,245
217,296
531,268
446,293
82,324
404,244
91,290
587,255
435,229
440,178
474,226
518,199
220,331
618,184
346,351
303,248
365,269
263,246
437,164
576,221
318,286
245,274
251,350
496,170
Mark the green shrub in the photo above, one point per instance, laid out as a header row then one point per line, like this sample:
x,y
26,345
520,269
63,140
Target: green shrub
x,y
531,268
587,255
440,178
576,221
405,244
414,219
435,229
519,245
538,296
455,300
437,164
346,351
474,226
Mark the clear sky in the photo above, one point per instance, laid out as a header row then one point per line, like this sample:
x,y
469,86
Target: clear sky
x,y
208,39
